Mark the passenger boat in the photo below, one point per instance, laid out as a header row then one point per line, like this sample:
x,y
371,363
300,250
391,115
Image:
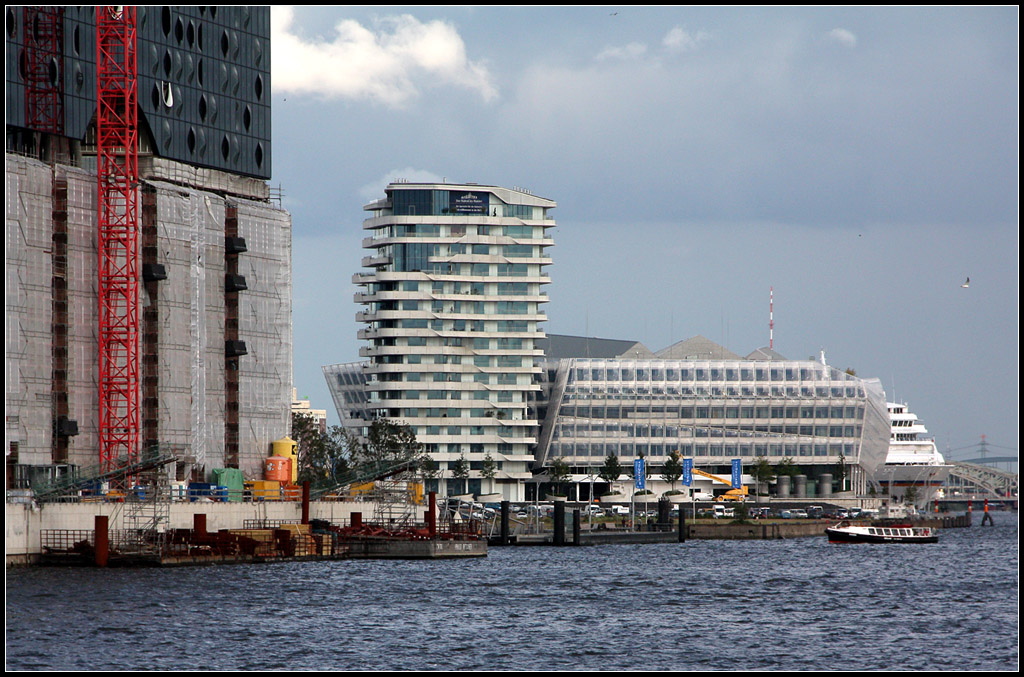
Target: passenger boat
x,y
845,532
913,459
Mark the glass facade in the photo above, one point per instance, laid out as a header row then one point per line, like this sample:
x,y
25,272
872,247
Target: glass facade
x,y
710,411
452,298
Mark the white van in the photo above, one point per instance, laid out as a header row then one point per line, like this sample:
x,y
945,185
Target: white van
x,y
703,496
722,512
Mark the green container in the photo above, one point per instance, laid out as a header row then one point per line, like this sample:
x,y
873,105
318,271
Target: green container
x,y
232,479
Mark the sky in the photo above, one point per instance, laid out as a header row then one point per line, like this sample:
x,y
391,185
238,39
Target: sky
x,y
863,162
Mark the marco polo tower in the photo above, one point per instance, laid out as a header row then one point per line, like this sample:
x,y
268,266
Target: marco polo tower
x,y
452,291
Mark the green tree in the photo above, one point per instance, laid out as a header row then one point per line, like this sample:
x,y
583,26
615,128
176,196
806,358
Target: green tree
x,y
322,455
673,469
840,472
386,442
786,467
611,469
762,472
460,471
489,469
559,474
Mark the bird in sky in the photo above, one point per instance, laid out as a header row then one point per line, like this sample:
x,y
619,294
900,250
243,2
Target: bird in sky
x,y
967,283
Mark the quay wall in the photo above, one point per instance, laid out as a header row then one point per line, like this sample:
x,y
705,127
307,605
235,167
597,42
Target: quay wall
x,y
25,521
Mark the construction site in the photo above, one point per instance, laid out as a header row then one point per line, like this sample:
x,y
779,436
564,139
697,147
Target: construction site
x,y
148,295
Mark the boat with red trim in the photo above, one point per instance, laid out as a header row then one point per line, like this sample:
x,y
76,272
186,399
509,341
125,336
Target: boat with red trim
x,y
847,532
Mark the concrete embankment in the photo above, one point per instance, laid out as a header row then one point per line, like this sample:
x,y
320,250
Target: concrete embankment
x,y
717,530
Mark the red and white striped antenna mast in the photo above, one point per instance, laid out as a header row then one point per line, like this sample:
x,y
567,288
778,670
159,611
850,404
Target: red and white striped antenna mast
x,y
771,318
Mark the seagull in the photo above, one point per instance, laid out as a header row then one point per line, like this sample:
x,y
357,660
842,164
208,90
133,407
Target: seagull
x,y
966,284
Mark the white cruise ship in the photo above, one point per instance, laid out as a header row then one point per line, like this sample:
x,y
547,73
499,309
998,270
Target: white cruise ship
x,y
913,459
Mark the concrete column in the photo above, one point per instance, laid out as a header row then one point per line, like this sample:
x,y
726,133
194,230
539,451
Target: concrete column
x,y
800,486
825,485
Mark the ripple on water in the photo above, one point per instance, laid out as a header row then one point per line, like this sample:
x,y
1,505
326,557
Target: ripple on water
x,y
764,605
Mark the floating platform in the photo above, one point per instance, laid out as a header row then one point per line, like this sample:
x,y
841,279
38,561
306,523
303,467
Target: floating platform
x,y
278,543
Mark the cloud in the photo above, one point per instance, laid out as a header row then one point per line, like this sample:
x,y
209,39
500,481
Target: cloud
x,y
387,66
633,50
842,37
679,40
375,189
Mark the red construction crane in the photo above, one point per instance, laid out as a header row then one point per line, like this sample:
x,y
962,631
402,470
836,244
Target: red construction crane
x,y
118,179
43,77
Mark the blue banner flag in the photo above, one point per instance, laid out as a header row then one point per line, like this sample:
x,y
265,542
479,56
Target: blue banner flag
x,y
687,471
737,473
638,473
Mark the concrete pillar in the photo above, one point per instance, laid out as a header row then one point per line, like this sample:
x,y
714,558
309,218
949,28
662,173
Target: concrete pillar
x,y
825,485
782,486
800,486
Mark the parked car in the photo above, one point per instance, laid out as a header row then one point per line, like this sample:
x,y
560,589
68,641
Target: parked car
x,y
798,513
620,510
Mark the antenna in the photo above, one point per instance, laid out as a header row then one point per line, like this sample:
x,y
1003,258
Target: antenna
x,y
771,318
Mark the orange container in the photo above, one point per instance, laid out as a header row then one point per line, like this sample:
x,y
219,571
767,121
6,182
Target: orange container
x,y
278,468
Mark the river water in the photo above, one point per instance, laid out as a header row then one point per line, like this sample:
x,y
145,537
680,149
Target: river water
x,y
799,604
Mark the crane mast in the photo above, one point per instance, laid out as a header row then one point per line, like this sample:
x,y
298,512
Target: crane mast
x,y
117,204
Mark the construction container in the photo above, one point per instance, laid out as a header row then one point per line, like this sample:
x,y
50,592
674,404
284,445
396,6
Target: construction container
x,y
208,491
232,479
179,490
288,448
278,468
265,490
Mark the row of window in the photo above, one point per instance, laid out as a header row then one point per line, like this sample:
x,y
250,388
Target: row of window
x,y
717,412
434,230
568,430
502,326
628,392
600,450
703,373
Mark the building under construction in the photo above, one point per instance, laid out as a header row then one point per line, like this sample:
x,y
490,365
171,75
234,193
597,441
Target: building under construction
x,y
148,270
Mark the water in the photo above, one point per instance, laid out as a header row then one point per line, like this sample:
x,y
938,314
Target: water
x,y
801,604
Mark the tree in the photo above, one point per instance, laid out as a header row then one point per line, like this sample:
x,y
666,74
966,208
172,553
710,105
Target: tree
x,y
322,457
762,472
460,471
786,467
559,474
386,442
611,469
841,472
673,469
489,469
